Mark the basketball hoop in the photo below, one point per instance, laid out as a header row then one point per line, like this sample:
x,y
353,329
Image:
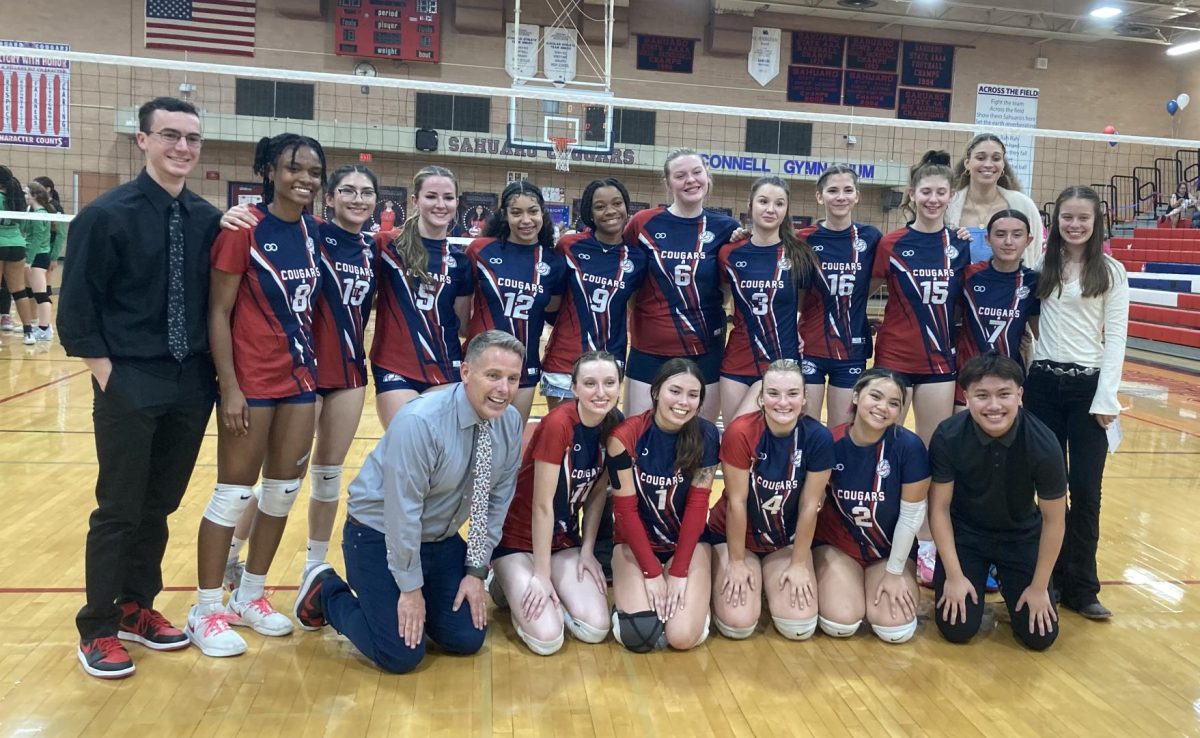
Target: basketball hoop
x,y
561,153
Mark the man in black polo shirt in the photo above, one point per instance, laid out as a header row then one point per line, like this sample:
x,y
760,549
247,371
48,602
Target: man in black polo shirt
x,y
134,307
988,465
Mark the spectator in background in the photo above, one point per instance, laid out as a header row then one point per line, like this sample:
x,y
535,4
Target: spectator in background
x,y
1183,205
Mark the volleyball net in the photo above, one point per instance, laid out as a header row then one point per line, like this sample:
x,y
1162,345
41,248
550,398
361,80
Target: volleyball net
x,y
72,117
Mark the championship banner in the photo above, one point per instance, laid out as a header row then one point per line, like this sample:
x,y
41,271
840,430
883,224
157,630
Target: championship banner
x,y
36,96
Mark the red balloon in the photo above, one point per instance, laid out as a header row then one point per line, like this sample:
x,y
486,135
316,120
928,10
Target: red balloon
x,y
1110,130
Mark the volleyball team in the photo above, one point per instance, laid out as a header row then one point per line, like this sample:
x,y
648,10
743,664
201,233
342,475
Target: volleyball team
x,y
823,520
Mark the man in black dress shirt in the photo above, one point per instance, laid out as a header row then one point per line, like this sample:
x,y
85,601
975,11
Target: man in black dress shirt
x,y
989,464
134,307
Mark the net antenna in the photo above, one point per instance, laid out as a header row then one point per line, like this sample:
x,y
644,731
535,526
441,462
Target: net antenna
x,y
561,82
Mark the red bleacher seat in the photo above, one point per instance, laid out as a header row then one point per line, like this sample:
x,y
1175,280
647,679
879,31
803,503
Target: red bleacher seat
x,y
1165,333
1182,317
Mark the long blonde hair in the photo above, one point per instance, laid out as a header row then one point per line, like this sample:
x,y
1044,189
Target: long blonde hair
x,y
408,244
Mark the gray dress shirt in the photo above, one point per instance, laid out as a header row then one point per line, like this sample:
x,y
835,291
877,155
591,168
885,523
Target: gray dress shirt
x,y
415,486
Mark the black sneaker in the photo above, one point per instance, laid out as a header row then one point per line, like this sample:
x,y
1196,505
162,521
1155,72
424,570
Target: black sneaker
x,y
105,658
1093,611
308,600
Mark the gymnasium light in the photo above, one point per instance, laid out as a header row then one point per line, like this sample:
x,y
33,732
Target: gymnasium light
x,y
1106,11
1181,49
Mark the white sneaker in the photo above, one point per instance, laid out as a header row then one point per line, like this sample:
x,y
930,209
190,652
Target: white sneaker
x,y
258,614
233,574
210,633
28,339
43,334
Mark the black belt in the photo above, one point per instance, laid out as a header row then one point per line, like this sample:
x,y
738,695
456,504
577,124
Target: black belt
x,y
1060,369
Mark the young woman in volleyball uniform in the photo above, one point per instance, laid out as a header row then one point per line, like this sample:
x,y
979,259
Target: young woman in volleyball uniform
x,y
833,325
265,282
661,465
767,275
776,464
519,278
999,296
424,299
602,275
544,563
876,502
679,309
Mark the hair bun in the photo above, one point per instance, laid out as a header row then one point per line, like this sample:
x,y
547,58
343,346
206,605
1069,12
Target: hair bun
x,y
936,157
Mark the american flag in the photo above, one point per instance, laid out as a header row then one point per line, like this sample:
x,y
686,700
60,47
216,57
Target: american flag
x,y
214,26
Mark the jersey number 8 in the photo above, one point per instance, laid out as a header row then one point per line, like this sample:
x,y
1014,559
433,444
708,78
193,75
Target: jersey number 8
x,y
300,297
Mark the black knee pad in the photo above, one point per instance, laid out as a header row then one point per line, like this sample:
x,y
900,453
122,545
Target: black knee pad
x,y
42,298
637,631
25,294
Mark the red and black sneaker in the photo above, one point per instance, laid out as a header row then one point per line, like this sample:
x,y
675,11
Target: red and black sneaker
x,y
308,609
149,628
105,657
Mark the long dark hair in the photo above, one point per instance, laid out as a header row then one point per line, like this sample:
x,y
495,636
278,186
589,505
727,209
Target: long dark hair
x,y
55,205
932,164
804,260
689,443
1094,275
589,195
1009,213
408,244
14,196
962,178
498,225
270,149
611,419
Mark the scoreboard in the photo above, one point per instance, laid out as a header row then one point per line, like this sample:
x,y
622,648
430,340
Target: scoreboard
x,y
405,30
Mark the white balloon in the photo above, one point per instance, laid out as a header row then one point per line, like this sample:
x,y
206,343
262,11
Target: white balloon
x,y
1183,100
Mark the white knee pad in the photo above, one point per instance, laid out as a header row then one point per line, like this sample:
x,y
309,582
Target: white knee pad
x,y
326,482
581,630
896,633
838,630
737,634
541,648
278,496
703,631
796,630
227,503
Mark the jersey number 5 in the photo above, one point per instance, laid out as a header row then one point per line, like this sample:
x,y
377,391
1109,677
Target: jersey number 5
x,y
425,297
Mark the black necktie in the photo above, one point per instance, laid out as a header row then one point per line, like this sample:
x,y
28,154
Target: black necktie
x,y
176,326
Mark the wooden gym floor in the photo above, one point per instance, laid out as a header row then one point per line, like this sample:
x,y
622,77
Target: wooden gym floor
x,y
1136,675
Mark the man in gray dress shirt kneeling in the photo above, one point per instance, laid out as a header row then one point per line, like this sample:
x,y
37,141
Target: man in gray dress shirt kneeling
x,y
447,456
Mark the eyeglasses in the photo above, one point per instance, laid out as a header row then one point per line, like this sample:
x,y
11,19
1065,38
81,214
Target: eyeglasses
x,y
350,193
171,137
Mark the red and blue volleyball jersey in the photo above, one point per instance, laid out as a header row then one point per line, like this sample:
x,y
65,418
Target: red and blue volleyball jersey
x,y
679,308
766,297
416,327
347,290
924,273
778,467
272,323
600,279
996,307
833,319
862,504
661,490
561,439
513,286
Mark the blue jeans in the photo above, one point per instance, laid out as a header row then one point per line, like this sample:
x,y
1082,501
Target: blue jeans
x,y
367,615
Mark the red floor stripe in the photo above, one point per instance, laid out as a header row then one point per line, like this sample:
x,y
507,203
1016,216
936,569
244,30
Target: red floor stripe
x,y
51,383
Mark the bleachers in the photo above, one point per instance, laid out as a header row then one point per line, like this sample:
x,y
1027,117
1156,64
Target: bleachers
x,y
1164,280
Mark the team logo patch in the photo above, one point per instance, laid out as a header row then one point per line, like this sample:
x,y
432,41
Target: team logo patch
x,y
627,265
585,257
1022,293
577,447
543,268
785,263
952,252
392,377
818,248
860,245
798,457
740,264
451,262
707,237
910,252
331,240
269,247
980,288
808,367
883,469
309,243
495,260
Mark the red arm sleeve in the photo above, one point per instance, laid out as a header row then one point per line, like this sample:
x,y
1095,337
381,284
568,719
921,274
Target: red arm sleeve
x,y
695,515
627,521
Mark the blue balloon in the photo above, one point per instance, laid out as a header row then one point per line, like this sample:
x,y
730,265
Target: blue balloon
x,y
1172,107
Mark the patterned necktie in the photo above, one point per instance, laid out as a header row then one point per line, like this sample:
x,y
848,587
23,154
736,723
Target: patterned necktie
x,y
477,533
177,342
